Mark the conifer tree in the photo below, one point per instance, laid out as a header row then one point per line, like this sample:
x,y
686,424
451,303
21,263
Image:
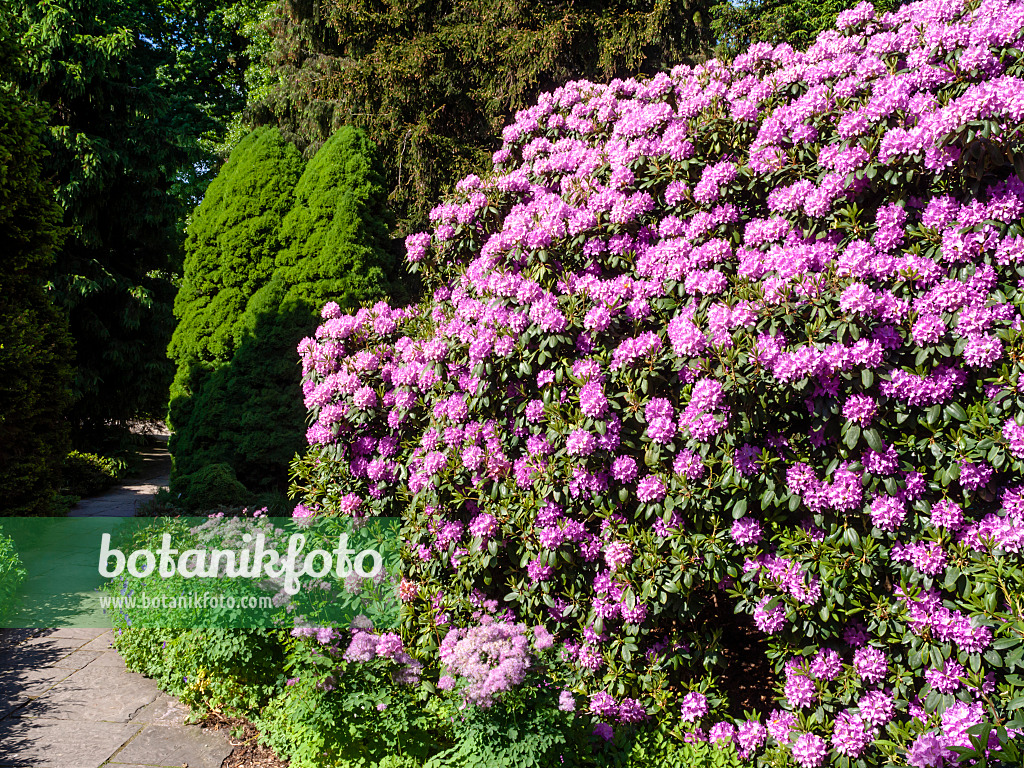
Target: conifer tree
x,y
248,412
139,92
230,251
434,82
35,349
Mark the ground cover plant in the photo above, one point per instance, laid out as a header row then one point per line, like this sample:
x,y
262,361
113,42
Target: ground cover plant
x,y
739,338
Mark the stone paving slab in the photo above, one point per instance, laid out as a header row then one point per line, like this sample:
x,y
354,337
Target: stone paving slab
x,y
61,646
67,701
100,642
30,682
100,714
10,703
78,633
107,659
174,746
164,710
78,659
59,744
95,693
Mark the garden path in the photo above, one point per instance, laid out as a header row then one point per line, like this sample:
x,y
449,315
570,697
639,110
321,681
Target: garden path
x,y
124,500
67,700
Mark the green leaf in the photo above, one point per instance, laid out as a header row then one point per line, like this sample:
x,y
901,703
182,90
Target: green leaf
x,y
956,411
874,440
739,508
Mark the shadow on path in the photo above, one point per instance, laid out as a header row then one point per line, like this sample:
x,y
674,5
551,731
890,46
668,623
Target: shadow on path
x,y
66,698
124,500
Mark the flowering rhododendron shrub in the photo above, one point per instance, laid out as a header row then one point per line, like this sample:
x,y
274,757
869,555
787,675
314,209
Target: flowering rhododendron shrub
x,y
740,338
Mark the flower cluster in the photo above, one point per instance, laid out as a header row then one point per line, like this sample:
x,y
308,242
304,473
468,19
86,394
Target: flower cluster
x,y
491,657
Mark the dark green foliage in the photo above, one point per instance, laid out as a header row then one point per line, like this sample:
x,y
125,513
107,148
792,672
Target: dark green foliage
x,y
34,346
336,235
232,670
739,24
433,82
233,239
247,412
209,45
232,243
140,91
215,485
116,145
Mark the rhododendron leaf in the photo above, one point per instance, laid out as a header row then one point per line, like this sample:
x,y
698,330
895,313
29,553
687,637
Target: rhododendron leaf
x,y
956,411
874,440
739,508
992,605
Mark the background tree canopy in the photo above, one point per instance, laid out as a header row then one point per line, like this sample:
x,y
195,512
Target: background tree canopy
x,y
139,91
737,25
433,83
35,349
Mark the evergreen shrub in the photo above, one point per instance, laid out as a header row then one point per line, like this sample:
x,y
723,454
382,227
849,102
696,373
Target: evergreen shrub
x,y
334,243
86,474
721,360
210,487
230,252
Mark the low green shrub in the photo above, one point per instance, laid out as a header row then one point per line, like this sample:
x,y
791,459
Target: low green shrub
x,y
221,670
12,575
524,730
86,474
212,486
356,717
162,504
62,504
654,748
356,698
